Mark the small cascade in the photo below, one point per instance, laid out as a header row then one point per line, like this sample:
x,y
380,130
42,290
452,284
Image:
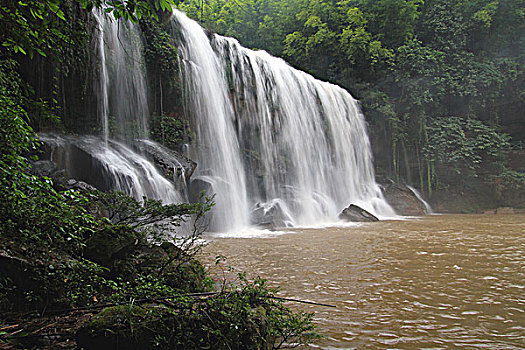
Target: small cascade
x,y
104,162
110,166
123,105
428,208
268,133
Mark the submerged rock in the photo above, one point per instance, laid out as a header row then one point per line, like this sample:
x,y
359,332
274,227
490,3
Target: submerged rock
x,y
354,213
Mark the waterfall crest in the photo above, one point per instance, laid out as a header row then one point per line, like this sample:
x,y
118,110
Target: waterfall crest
x,y
268,134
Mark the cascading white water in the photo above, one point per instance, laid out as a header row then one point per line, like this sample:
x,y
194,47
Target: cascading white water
x,y
428,208
123,105
218,151
123,111
110,165
268,133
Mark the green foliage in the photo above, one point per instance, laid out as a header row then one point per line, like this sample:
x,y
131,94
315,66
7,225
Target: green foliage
x,y
244,317
17,111
171,130
509,179
464,143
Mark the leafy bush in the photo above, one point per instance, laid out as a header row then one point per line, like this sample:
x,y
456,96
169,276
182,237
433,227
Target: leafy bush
x,y
464,143
170,130
244,317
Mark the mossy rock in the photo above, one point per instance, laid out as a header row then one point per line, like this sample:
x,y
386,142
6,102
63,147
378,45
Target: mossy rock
x,y
110,244
120,327
226,322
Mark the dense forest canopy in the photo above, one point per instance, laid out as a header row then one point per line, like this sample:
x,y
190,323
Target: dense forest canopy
x,y
421,69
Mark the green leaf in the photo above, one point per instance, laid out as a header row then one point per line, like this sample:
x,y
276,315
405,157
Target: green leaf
x,y
60,15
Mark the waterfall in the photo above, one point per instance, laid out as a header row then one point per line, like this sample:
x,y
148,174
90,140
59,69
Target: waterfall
x,y
218,150
123,105
269,135
123,110
275,145
428,208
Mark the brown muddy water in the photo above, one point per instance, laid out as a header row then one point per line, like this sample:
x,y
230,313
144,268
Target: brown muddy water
x,y
443,281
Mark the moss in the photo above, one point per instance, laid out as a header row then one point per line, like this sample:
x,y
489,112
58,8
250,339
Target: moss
x,y
121,327
222,322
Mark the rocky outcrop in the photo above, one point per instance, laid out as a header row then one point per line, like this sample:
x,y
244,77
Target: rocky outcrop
x,y
60,177
402,199
140,170
354,213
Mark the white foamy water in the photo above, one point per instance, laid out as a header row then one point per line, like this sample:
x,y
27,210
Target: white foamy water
x,y
268,133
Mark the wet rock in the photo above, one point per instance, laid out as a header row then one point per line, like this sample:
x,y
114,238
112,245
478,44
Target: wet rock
x,y
74,160
81,186
269,215
171,163
354,213
197,187
402,199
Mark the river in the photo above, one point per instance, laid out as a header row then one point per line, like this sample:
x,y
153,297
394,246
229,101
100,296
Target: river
x,y
440,281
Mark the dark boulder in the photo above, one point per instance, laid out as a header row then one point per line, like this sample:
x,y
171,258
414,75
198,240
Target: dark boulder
x,y
354,213
110,244
122,327
48,168
197,187
43,168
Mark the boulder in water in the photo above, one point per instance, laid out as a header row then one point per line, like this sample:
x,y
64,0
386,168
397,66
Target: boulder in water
x,y
402,199
354,213
269,215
